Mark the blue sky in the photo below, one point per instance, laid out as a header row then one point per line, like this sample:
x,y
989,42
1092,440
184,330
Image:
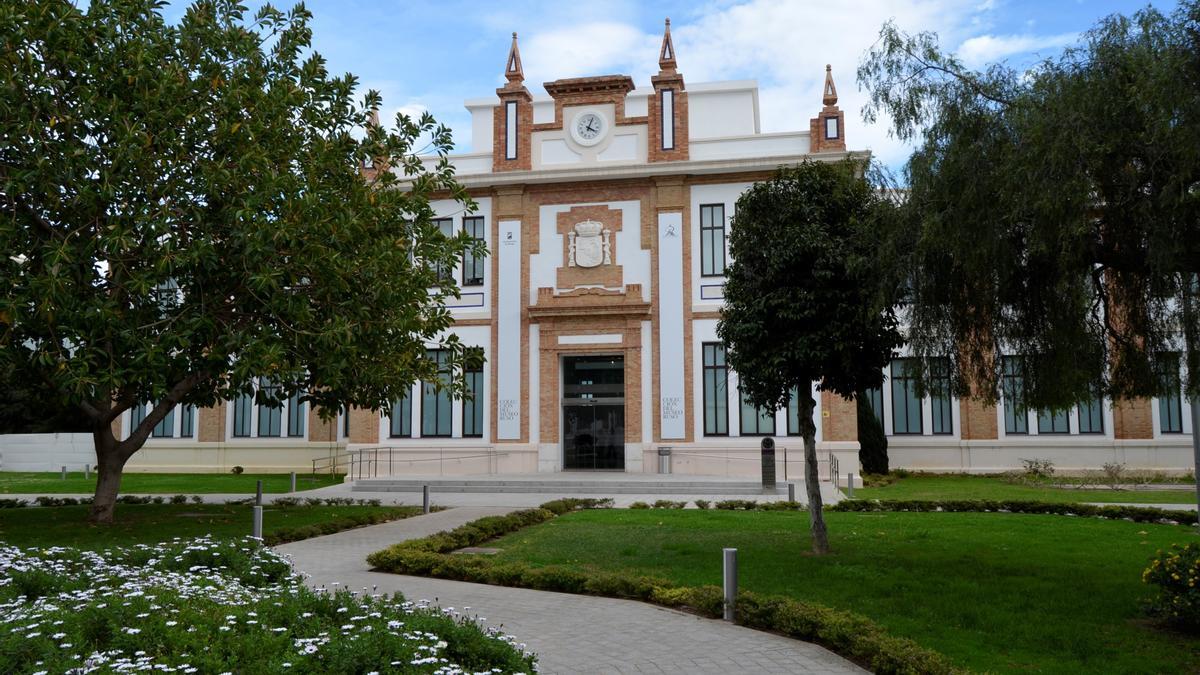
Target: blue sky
x,y
434,55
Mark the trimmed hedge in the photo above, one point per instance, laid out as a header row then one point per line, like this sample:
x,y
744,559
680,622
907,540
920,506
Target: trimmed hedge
x,y
851,635
1139,514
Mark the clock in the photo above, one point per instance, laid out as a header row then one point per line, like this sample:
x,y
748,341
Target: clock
x,y
588,128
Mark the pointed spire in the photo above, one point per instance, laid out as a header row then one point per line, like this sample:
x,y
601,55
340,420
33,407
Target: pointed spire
x,y
830,93
512,68
666,55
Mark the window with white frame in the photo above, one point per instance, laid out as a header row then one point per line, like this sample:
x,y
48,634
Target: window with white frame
x,y
906,404
444,273
712,240
472,274
716,382
180,421
472,412
1170,401
1091,415
1012,384
267,417
435,400
400,418
755,421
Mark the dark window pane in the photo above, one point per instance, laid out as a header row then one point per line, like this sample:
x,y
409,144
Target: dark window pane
x,y
1016,416
270,413
1170,402
446,226
1053,422
712,240
473,264
295,416
716,400
187,421
242,407
136,415
400,418
941,410
1091,416
906,406
166,426
473,406
756,421
435,401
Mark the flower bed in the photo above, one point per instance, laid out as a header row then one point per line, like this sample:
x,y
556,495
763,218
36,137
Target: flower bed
x,y
207,606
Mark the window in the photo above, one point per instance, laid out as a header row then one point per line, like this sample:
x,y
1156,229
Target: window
x,y
242,411
187,421
940,402
166,426
716,398
1054,422
473,264
136,415
712,240
270,412
1170,403
906,405
1016,417
295,415
1091,416
875,399
756,421
400,418
793,413
446,227
668,119
346,422
472,413
435,399
831,127
510,130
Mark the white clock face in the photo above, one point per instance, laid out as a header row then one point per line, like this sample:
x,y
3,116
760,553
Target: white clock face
x,y
588,128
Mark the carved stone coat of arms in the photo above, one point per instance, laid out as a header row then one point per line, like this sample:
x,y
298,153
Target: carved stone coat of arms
x,y
588,245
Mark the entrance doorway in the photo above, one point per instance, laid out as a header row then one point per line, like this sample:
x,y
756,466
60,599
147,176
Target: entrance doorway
x,y
593,419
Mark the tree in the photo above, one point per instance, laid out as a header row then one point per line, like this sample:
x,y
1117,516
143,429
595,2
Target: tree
x,y
803,298
1052,214
185,212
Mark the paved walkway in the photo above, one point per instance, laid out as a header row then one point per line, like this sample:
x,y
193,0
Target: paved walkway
x,y
570,633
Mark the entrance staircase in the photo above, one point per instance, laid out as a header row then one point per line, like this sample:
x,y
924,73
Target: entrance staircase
x,y
582,484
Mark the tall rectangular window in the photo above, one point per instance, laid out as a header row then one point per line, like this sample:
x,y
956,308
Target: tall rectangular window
x,y
716,397
400,419
295,416
712,240
187,421
668,119
446,227
472,413
756,421
1016,416
242,410
346,422
831,128
270,412
473,264
1054,422
136,415
435,400
793,413
906,405
510,130
875,399
1170,402
941,410
1091,416
166,426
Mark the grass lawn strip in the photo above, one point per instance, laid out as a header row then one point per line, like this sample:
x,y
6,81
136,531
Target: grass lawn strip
x,y
153,523
850,635
931,487
993,592
205,606
162,483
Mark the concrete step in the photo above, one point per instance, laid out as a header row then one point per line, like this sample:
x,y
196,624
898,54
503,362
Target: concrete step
x,y
570,487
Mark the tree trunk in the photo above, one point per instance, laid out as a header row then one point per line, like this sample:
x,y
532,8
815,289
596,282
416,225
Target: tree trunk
x,y
110,463
808,429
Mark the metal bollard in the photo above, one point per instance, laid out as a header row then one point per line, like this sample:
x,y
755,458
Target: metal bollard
x,y
258,494
730,582
293,489
850,485
791,492
425,499
87,471
64,473
258,513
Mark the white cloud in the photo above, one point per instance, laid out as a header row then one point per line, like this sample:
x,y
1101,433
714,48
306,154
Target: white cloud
x,y
983,49
583,50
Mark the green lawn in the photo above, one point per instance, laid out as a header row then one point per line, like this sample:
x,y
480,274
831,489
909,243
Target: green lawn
x,y
994,592
152,523
948,487
161,483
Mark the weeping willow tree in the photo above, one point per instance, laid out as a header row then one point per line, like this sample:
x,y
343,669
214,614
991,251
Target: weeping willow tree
x,y
1053,213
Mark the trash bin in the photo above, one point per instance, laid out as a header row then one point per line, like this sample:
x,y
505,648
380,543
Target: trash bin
x,y
664,459
768,463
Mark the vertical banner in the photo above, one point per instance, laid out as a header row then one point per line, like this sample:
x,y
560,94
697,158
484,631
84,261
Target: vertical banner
x,y
670,324
508,332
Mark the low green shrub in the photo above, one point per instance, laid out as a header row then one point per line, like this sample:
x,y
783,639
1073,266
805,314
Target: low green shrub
x,y
13,503
1139,514
669,504
179,499
639,505
702,504
737,505
782,506
1176,574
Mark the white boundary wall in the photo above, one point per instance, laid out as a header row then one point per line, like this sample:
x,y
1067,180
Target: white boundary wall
x,y
46,452
1171,455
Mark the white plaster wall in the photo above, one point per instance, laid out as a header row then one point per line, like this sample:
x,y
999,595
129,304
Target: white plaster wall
x,y
636,102
543,110
46,452
634,261
707,291
481,124
557,149
763,145
1069,454
508,327
717,113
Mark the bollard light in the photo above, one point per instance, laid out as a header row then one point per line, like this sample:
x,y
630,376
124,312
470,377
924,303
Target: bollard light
x,y
850,485
64,473
87,471
425,499
258,522
791,492
258,494
730,582
293,482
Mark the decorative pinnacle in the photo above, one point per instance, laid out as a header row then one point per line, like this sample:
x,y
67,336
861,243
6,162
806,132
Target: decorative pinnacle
x,y
513,70
829,96
666,55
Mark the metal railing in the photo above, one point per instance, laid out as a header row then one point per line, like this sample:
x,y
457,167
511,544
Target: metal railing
x,y
386,460
835,472
752,454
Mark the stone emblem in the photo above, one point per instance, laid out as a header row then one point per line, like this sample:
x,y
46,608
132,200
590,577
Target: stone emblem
x,y
588,245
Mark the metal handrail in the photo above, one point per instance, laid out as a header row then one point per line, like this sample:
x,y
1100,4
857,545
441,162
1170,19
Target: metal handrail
x,y
366,463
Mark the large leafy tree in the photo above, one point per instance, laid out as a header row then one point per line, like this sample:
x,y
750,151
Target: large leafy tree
x,y
804,300
183,211
1053,213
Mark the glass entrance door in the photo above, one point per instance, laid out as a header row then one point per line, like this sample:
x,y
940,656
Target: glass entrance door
x,y
593,421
